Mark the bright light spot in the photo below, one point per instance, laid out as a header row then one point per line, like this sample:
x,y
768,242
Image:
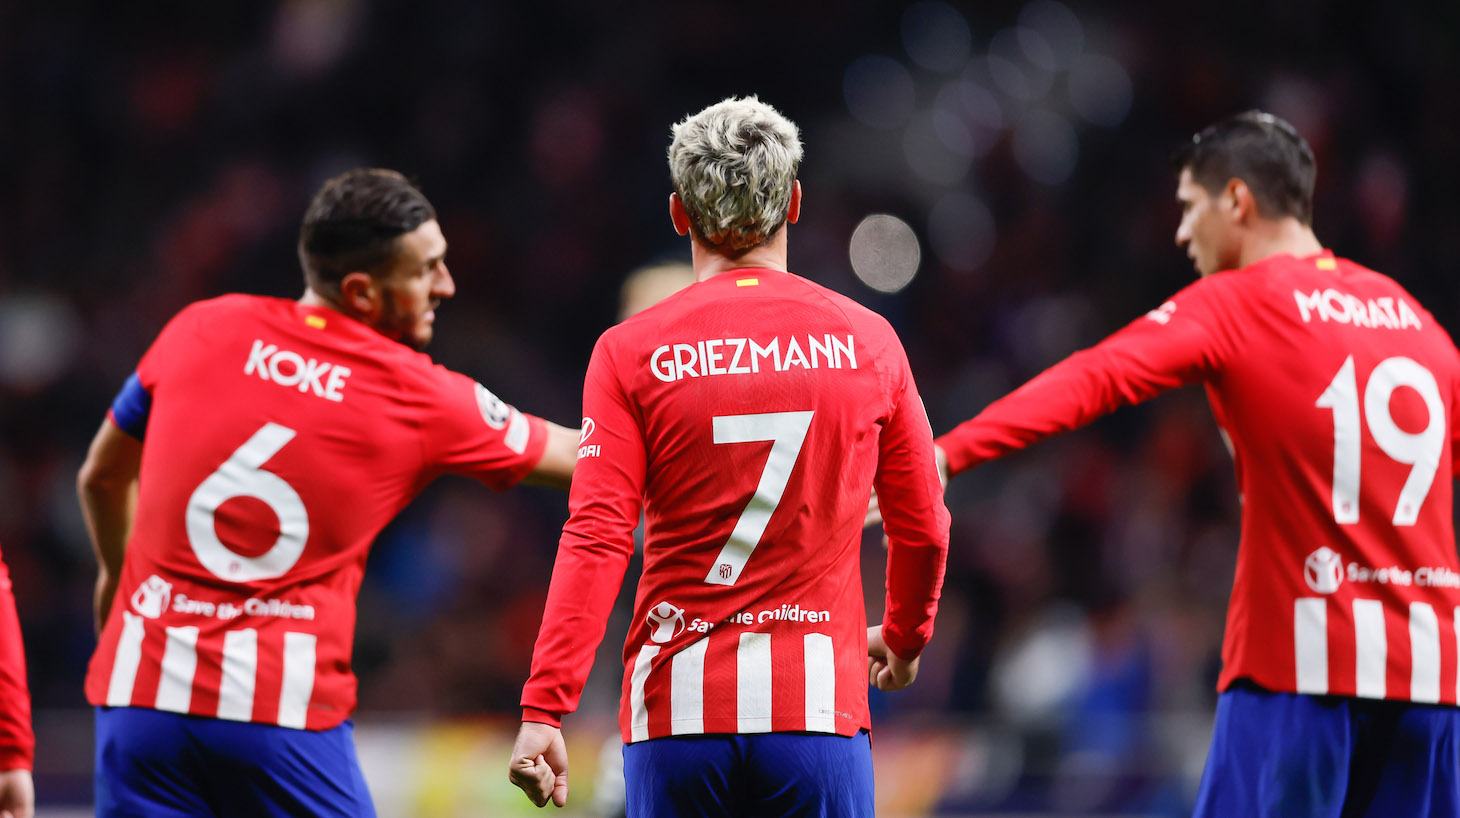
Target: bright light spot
x,y
961,231
1100,90
39,337
936,36
938,147
885,252
1058,27
879,91
1046,147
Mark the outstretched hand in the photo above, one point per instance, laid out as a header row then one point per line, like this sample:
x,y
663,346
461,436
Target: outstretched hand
x,y
885,669
539,764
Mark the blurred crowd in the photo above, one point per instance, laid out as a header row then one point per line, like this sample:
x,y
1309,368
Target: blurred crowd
x,y
151,157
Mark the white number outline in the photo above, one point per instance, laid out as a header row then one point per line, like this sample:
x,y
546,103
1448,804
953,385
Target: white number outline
x,y
242,475
1422,451
787,431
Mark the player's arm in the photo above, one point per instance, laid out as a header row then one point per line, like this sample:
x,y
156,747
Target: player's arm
x,y
17,741
1169,347
107,488
559,457
593,553
916,523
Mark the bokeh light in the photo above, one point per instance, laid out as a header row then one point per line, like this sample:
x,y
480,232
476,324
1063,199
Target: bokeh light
x,y
885,252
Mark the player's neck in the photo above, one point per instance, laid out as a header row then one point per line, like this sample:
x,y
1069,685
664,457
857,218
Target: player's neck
x,y
313,298
709,262
1288,236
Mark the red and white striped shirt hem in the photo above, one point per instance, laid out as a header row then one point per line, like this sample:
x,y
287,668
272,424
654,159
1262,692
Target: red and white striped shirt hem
x,y
240,664
1373,655
755,686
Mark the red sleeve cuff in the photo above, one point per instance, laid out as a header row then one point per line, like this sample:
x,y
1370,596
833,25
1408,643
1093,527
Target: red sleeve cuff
x,y
16,758
543,716
959,457
907,647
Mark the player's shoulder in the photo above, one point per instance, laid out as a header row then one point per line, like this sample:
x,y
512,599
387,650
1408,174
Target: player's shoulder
x,y
226,307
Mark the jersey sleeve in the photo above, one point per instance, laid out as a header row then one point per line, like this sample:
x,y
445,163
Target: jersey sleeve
x,y
914,517
472,432
17,742
597,542
133,403
1183,341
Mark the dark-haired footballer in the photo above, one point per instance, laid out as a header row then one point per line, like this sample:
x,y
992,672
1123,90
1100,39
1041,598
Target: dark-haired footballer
x,y
273,440
1337,392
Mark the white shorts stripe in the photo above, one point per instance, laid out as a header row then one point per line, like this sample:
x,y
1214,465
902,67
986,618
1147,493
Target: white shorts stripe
x,y
179,663
129,656
753,684
1371,648
1310,640
687,689
298,679
240,668
820,683
638,715
1424,645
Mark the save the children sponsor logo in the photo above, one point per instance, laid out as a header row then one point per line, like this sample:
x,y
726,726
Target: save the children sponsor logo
x,y
665,621
151,597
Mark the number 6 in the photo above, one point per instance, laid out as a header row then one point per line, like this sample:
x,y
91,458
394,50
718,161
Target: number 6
x,y
241,476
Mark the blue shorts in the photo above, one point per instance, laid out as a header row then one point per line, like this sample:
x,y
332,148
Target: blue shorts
x,y
1298,756
152,764
767,774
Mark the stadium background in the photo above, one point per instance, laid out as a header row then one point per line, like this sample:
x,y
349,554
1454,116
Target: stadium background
x,y
155,153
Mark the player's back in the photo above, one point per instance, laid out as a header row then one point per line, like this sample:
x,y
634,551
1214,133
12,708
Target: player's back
x,y
761,398
1338,394
280,439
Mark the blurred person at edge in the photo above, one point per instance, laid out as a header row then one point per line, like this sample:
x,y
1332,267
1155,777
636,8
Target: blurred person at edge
x,y
748,416
273,440
17,741
1336,391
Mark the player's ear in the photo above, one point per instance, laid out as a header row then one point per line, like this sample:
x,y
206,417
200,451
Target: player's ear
x,y
359,294
678,215
1241,204
793,212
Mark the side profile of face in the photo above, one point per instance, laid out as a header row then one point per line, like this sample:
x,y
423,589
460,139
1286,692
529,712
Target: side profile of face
x,y
413,285
1209,229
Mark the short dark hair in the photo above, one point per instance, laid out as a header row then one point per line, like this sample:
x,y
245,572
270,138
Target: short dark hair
x,y
1265,152
353,222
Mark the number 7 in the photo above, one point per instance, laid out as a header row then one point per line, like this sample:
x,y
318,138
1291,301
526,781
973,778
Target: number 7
x,y
787,431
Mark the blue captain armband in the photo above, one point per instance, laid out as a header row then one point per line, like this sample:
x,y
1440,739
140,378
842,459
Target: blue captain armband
x,y
131,408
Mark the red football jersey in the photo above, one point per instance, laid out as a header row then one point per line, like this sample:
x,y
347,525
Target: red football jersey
x,y
749,416
281,439
1337,392
17,742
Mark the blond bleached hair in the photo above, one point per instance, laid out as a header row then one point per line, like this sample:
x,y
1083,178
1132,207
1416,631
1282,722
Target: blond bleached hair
x,y
733,165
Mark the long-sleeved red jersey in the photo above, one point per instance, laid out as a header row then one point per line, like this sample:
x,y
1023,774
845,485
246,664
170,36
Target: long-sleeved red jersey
x,y
17,742
1337,391
749,417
